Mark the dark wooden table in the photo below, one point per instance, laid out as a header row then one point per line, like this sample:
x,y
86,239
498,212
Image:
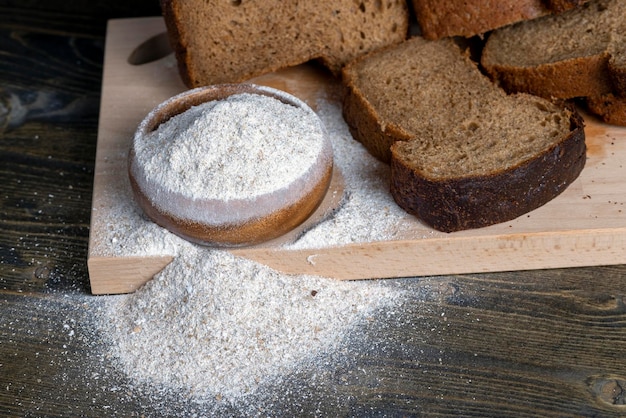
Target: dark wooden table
x,y
537,343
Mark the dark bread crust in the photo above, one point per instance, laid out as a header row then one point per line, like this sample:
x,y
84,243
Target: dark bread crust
x,y
578,77
475,202
559,6
438,19
170,17
617,72
365,124
610,108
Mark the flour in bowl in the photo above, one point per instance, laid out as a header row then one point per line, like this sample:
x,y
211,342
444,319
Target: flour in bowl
x,y
239,147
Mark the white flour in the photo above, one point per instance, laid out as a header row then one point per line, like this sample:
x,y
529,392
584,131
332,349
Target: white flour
x,y
240,147
215,325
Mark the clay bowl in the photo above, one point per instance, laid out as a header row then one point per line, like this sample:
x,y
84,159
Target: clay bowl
x,y
232,222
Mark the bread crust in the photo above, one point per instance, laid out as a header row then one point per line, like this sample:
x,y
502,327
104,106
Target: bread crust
x,y
438,19
617,72
610,108
559,6
577,77
171,19
218,42
475,202
364,123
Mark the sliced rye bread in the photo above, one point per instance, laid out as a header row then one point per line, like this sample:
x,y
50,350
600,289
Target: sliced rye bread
x,y
610,108
463,153
439,19
231,41
580,53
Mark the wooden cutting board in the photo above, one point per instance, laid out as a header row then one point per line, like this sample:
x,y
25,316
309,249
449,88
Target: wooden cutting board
x,y
584,226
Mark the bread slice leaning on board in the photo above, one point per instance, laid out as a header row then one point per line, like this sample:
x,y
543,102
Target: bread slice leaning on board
x,y
439,19
227,41
580,53
463,153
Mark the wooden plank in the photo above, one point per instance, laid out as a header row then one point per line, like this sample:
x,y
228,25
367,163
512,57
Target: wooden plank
x,y
445,256
584,226
124,274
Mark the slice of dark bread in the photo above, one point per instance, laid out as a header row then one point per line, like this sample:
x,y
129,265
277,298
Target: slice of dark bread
x,y
438,19
463,153
225,41
580,53
610,108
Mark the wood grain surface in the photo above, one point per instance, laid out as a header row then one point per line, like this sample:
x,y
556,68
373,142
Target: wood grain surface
x,y
541,343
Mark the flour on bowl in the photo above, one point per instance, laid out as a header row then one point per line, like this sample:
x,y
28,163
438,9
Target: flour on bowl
x,y
368,213
243,145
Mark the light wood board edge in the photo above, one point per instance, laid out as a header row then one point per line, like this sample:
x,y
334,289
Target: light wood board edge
x,y
389,259
115,275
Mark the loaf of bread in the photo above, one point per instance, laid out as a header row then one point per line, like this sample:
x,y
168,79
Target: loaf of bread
x,y
438,19
579,53
463,153
233,40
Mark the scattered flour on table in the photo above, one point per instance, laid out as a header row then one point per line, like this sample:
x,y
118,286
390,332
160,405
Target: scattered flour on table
x,y
124,230
214,325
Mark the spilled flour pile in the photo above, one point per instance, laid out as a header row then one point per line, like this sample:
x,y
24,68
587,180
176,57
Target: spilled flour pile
x,y
214,325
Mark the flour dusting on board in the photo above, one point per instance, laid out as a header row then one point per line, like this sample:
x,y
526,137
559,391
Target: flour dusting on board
x,y
368,213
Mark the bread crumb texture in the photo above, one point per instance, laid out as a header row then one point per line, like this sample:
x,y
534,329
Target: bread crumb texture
x,y
457,120
440,19
585,31
580,53
231,41
461,149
